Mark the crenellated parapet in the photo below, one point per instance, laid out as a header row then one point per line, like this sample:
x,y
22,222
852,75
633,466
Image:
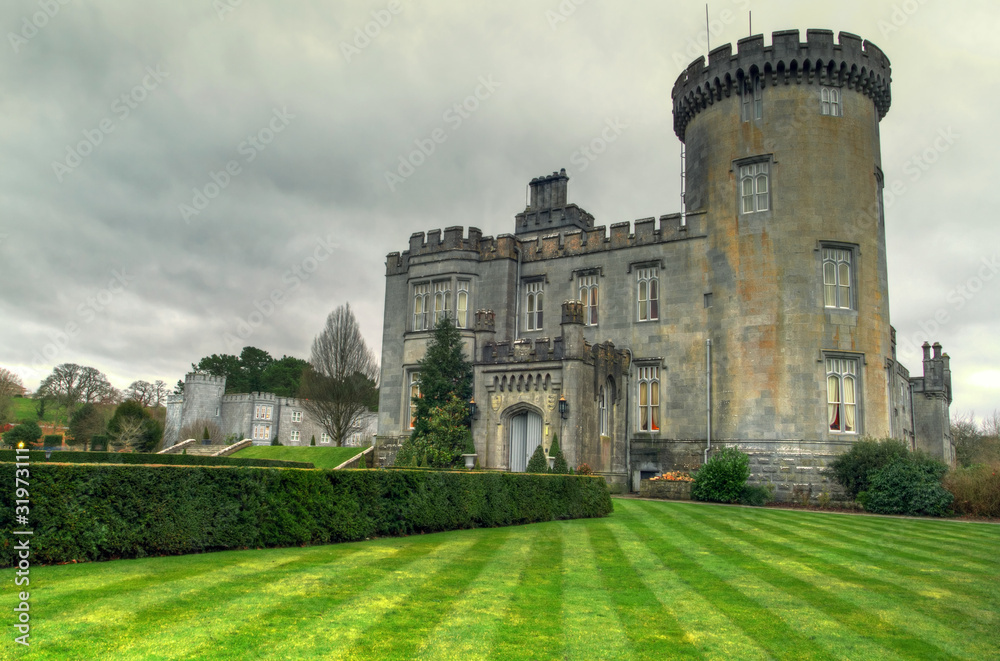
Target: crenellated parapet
x,y
201,377
486,321
852,63
645,231
521,351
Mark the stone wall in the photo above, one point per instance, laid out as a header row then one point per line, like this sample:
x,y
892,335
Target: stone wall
x,y
665,489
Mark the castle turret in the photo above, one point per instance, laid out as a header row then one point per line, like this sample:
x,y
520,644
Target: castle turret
x,y
932,405
783,158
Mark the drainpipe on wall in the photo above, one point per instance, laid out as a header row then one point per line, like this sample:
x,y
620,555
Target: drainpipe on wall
x,y
708,397
628,429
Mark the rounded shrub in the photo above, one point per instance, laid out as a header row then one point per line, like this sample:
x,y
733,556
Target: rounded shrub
x,y
851,469
723,477
908,485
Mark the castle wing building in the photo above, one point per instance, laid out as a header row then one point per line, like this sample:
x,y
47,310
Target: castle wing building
x,y
757,317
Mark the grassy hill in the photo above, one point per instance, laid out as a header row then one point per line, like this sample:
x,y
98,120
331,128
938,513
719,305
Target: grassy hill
x,y
320,457
23,410
655,580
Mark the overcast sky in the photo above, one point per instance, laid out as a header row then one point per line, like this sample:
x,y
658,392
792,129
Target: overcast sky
x,y
127,244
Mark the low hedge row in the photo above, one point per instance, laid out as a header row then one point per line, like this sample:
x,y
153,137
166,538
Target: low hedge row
x,y
102,512
71,457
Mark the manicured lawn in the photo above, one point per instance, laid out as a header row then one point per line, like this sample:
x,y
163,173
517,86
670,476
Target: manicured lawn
x,y
320,457
654,580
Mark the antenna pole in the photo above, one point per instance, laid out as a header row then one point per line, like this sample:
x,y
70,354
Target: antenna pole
x,y
750,18
708,33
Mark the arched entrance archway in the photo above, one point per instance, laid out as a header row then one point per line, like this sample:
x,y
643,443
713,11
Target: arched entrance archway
x,y
525,437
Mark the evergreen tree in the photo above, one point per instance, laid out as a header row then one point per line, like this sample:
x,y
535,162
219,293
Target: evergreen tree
x,y
312,441
442,374
538,463
26,432
445,381
560,465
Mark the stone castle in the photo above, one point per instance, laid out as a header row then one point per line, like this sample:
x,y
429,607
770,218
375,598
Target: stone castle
x,y
259,416
756,317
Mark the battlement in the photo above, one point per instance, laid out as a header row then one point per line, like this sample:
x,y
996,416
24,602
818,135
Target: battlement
x,y
572,312
522,351
853,63
486,321
201,377
644,231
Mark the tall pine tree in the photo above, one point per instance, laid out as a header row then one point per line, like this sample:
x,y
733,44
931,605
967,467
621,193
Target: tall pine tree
x,y
443,376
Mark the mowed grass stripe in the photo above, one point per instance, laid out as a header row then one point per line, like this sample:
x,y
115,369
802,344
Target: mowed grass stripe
x,y
467,631
649,626
937,590
328,625
915,614
155,601
696,567
853,614
590,623
533,612
901,549
928,529
382,639
248,612
921,534
704,626
902,560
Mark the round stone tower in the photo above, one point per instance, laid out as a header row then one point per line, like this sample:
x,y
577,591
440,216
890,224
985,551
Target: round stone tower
x,y
782,157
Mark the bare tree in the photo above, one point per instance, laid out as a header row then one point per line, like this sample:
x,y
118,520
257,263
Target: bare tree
x,y
94,386
10,386
159,396
342,375
70,384
196,430
63,385
140,391
129,432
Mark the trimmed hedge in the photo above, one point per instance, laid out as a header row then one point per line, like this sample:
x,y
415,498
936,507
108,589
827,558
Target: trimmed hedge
x,y
71,457
103,512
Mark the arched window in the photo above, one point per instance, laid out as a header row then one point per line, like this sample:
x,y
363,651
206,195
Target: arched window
x,y
588,296
420,306
842,394
533,306
649,398
752,101
754,188
442,300
462,304
648,296
830,101
837,278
